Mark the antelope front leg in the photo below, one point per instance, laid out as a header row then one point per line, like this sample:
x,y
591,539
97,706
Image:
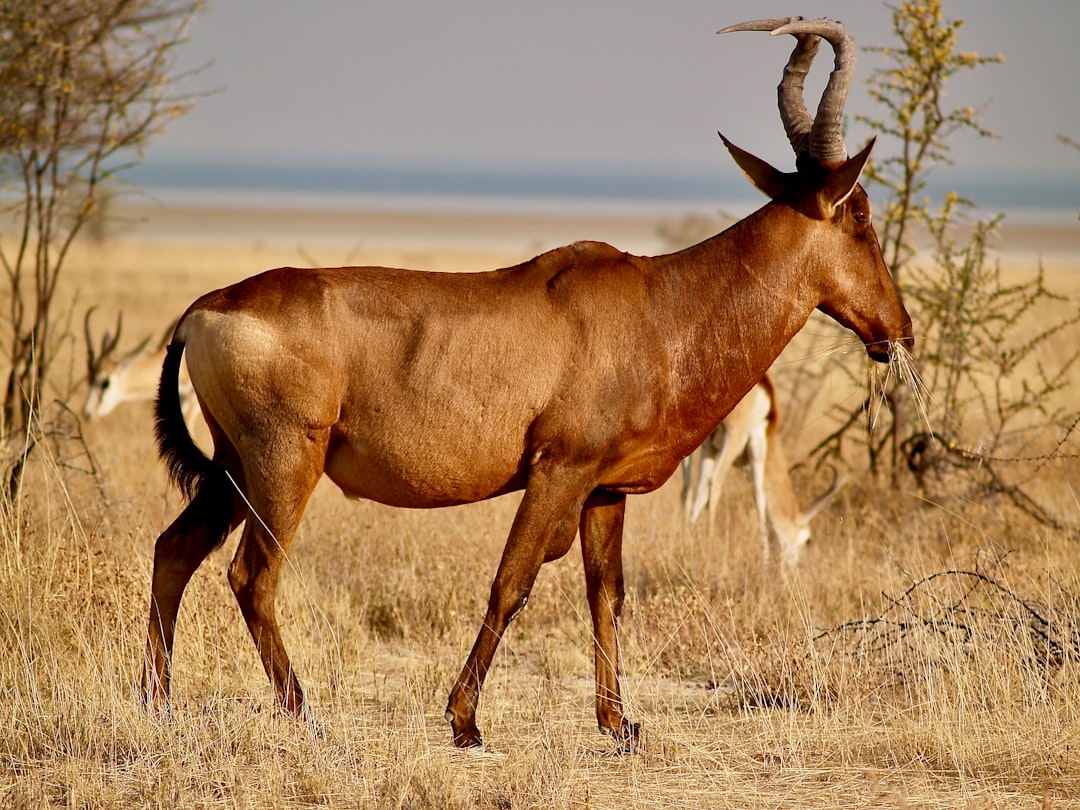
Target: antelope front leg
x,y
601,552
699,496
544,529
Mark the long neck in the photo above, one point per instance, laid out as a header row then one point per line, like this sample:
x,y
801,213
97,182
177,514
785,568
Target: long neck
x,y
740,297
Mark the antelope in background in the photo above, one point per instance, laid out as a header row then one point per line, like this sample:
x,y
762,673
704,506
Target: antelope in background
x,y
112,381
752,428
581,376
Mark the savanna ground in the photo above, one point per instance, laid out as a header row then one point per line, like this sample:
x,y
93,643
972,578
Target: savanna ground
x,y
755,687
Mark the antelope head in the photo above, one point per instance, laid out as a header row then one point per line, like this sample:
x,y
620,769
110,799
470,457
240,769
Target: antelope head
x,y
789,524
103,369
825,189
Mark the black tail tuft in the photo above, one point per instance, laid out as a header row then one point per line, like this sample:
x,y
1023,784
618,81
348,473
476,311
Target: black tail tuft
x,y
188,466
203,482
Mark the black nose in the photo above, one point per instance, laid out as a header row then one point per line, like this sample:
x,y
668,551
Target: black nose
x,y
879,353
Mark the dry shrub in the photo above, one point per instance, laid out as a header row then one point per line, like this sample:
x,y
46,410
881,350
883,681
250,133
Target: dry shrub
x,y
972,629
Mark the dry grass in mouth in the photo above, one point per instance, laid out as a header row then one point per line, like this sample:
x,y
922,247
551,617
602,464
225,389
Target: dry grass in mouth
x,y
901,367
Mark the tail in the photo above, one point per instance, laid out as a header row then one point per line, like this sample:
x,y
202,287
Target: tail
x,y
202,481
188,466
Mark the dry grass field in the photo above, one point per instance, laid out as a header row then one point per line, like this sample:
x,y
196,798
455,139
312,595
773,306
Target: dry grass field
x,y
923,654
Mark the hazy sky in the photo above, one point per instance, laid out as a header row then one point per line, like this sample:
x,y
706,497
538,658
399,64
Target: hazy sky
x,y
492,82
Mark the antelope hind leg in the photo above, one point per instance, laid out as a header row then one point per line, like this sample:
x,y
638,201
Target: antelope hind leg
x,y
178,552
291,467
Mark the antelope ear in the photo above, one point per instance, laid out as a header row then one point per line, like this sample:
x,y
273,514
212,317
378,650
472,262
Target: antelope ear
x,y
843,179
765,178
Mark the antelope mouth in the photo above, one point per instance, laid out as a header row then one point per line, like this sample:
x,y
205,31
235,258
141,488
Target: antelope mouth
x,y
888,350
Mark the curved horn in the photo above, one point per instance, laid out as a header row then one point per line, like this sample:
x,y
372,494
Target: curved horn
x,y
793,113
95,360
820,135
826,138
91,360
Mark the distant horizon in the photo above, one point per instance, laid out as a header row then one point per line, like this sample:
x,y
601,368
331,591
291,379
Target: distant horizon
x,y
619,185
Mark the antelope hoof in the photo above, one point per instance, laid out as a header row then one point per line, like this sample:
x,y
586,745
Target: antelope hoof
x,y
467,736
627,735
306,715
295,705
154,696
158,709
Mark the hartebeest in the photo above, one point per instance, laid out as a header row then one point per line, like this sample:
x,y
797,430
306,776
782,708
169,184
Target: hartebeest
x,y
581,376
752,428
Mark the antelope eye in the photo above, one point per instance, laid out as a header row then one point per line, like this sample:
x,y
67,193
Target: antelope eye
x,y
861,217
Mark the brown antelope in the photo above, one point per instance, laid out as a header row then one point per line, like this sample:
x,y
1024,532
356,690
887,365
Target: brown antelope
x,y
112,381
581,376
752,428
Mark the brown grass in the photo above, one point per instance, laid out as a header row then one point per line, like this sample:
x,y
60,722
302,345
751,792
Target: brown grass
x,y
743,701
